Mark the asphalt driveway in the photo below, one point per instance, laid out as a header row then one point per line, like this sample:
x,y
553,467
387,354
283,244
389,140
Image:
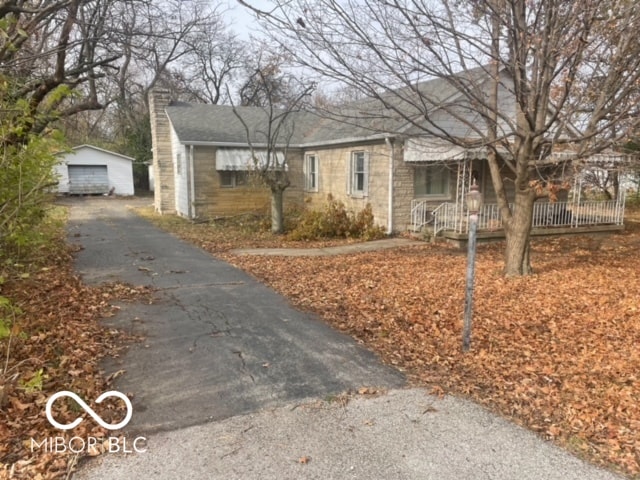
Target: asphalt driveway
x,y
218,343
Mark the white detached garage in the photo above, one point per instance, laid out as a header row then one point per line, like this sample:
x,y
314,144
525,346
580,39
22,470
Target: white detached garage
x,y
92,170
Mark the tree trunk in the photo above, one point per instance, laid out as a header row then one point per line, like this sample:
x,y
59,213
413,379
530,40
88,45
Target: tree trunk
x,y
277,210
517,232
616,185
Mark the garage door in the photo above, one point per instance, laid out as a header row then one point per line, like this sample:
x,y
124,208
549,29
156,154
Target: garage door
x,y
88,179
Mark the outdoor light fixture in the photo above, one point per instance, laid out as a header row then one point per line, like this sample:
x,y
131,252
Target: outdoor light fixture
x,y
474,204
474,200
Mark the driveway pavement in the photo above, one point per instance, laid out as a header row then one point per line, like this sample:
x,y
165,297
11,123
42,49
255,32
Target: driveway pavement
x,y
233,383
218,343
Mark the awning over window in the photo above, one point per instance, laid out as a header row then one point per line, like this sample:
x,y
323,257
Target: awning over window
x,y
241,159
437,150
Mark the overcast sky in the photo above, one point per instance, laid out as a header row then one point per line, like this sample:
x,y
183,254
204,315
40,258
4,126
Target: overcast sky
x,y
242,20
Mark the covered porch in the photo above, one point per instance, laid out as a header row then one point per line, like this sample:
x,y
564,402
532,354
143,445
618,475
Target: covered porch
x,y
571,214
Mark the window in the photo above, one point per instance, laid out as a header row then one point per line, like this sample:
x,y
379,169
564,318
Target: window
x,y
359,174
432,180
311,173
232,178
179,163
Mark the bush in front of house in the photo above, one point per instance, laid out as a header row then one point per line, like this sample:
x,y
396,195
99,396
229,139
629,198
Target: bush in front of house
x,y
333,220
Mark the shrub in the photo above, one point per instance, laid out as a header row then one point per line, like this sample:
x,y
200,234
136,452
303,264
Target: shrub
x,y
334,221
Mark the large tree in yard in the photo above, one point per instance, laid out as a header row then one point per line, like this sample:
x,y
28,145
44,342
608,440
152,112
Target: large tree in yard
x,y
555,75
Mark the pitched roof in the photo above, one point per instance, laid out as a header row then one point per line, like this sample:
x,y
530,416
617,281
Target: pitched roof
x,y
109,152
360,120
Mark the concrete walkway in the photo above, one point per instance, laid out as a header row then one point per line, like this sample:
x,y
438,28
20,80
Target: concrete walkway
x,y
338,250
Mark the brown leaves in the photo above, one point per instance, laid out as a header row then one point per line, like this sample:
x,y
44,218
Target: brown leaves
x,y
58,347
556,351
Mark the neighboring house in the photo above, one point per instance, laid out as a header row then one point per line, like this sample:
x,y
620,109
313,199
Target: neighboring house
x,y
92,170
202,160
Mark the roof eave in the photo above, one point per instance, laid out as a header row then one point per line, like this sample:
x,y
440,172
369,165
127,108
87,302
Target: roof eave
x,y
303,145
341,141
196,143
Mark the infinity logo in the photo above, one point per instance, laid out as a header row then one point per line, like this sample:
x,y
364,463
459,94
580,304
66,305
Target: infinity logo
x,y
89,410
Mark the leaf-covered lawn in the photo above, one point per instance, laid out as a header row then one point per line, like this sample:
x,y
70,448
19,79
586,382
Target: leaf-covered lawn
x,y
56,344
223,234
557,351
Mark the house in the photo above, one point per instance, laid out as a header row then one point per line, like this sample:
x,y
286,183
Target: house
x,y
201,159
92,170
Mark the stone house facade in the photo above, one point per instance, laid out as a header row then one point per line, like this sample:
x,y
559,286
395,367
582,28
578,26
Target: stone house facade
x,y
353,165
203,158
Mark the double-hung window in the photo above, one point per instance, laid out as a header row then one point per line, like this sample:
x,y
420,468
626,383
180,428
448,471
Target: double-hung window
x,y
311,173
359,175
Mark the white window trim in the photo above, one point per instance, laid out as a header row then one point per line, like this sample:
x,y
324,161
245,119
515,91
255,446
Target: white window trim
x,y
351,179
307,172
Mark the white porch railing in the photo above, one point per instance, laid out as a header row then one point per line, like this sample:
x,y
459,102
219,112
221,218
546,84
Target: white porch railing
x,y
452,217
446,217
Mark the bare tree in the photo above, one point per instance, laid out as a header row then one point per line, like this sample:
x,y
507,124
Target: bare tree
x,y
216,60
270,139
183,45
49,49
265,83
538,76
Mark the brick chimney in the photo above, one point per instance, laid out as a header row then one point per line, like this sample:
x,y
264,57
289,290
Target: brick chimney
x,y
164,181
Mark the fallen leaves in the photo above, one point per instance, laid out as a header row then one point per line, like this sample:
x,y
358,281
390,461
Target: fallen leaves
x,y
57,346
556,351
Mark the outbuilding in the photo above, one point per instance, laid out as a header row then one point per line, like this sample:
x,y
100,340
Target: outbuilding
x,y
92,170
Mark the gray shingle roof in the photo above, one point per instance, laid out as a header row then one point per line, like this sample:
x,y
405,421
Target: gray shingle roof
x,y
196,123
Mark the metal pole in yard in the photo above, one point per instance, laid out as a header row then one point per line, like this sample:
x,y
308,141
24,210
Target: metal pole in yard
x,y
474,203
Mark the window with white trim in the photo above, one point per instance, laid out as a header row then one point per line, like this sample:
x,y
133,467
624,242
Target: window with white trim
x,y
179,163
359,174
232,178
311,173
431,181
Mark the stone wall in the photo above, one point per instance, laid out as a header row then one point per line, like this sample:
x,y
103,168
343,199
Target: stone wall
x,y
402,189
334,175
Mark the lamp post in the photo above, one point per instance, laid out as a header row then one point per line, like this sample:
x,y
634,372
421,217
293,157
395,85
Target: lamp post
x,y
474,204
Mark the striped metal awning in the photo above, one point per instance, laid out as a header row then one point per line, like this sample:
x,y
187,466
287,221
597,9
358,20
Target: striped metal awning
x,y
242,159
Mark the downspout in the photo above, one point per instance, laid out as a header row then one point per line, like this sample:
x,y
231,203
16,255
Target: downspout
x,y
391,144
191,191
